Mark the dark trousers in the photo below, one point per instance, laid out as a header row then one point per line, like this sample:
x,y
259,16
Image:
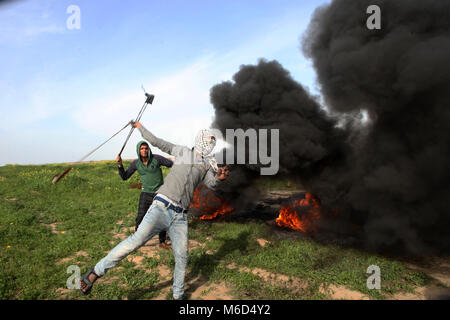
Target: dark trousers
x,y
145,201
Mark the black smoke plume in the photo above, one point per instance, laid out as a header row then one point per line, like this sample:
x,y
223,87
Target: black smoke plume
x,y
398,185
266,97
388,177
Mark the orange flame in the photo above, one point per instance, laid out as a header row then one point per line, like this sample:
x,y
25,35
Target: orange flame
x,y
206,201
290,218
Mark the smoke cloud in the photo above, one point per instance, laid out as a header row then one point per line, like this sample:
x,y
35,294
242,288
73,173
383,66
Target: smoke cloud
x,y
400,74
387,177
266,97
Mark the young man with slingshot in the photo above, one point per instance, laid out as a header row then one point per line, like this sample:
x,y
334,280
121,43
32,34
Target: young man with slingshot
x,y
169,208
148,165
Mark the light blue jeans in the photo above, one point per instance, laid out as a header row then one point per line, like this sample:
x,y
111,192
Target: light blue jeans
x,y
157,218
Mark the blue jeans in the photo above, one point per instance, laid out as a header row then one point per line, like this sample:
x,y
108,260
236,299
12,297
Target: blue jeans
x,y
157,219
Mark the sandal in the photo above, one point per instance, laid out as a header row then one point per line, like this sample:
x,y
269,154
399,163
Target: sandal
x,y
86,280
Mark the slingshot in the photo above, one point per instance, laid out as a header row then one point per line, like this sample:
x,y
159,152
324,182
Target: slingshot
x,y
148,100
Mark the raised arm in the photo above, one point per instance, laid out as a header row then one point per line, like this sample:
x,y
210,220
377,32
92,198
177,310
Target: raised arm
x,y
163,145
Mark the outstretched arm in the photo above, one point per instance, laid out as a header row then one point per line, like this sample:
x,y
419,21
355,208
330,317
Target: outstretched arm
x,y
163,145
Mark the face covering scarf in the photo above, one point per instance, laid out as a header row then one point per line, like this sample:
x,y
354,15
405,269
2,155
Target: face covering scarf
x,y
204,144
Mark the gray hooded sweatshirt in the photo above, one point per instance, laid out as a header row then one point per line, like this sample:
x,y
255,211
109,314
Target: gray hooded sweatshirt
x,y
187,172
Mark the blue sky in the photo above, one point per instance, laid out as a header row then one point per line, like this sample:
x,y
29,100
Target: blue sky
x,y
63,91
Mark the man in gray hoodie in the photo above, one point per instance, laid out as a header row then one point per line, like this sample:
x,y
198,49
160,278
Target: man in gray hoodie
x,y
168,211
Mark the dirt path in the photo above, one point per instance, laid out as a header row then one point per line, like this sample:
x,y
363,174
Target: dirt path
x,y
202,289
198,288
438,269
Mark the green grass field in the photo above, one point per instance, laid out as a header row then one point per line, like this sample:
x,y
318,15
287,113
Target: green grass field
x,y
45,228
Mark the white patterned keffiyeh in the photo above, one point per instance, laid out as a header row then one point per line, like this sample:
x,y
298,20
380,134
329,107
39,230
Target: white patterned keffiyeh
x,y
204,144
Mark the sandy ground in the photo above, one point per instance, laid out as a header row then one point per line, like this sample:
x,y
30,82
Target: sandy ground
x,y
197,288
201,289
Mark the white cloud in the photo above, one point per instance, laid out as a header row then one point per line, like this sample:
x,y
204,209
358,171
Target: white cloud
x,y
182,103
181,107
37,99
33,31
23,22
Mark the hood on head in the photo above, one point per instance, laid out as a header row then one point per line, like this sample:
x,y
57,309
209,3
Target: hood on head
x,y
138,146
